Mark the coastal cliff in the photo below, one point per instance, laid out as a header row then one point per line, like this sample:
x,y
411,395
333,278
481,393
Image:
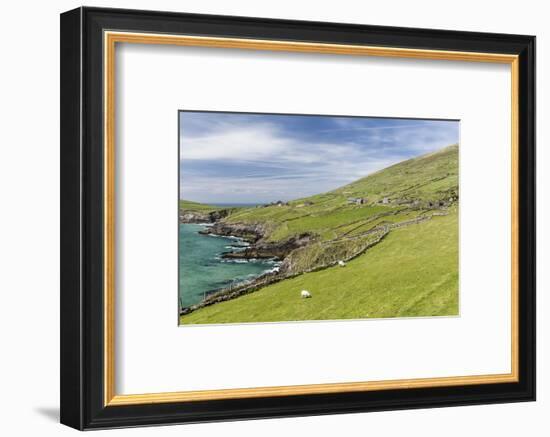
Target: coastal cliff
x,y
279,250
255,235
249,232
186,216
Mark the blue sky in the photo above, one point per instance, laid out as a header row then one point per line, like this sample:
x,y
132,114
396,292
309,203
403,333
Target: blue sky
x,y
259,158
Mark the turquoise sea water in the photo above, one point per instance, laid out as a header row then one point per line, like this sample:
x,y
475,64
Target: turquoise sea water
x,y
201,268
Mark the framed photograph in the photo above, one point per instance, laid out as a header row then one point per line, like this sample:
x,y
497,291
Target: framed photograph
x,y
268,218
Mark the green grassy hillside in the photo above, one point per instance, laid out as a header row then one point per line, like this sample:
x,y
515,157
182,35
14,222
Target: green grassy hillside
x,y
188,205
429,178
412,271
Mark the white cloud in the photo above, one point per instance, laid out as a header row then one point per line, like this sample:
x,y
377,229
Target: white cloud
x,y
241,143
277,165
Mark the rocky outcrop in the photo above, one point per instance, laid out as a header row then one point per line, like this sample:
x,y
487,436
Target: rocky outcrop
x,y
277,250
187,216
194,217
254,234
219,214
249,232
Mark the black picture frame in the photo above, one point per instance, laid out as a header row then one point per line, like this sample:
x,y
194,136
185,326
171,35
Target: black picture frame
x,y
82,215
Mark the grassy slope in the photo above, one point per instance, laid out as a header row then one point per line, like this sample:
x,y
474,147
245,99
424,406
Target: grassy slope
x,y
424,177
188,205
413,272
429,177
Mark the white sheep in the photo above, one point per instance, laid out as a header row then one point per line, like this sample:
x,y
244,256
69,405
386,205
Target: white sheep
x,y
341,263
305,294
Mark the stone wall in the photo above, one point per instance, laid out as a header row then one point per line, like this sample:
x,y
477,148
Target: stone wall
x,y
271,278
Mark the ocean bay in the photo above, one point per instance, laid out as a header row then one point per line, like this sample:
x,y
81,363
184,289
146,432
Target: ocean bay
x,y
202,270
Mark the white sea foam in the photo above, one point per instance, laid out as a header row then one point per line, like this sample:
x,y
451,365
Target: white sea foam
x,y
234,260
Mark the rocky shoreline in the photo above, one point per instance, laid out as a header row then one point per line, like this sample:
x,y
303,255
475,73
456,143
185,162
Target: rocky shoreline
x,y
269,278
249,233
257,248
255,235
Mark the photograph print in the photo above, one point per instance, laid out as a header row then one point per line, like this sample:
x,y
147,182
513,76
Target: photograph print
x,y
313,217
